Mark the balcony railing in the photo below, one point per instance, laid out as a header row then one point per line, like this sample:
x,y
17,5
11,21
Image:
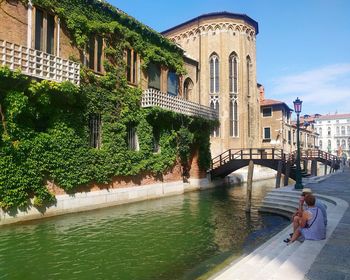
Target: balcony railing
x,y
153,97
38,64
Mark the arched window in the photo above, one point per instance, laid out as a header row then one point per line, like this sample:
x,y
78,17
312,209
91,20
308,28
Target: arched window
x,y
343,144
338,130
348,131
329,146
214,104
329,131
320,145
233,117
233,73
188,87
248,75
343,130
214,73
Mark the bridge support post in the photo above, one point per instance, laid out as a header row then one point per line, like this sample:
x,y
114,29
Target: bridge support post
x,y
286,175
305,164
325,167
332,166
314,167
249,186
279,173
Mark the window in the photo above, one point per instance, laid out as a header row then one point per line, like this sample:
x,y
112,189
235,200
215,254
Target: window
x,y
131,66
132,138
95,50
329,146
343,144
155,142
95,125
44,34
320,131
343,130
338,143
154,76
267,112
248,118
214,104
329,131
248,75
214,73
173,84
348,130
267,133
289,137
320,144
338,130
233,73
188,87
233,118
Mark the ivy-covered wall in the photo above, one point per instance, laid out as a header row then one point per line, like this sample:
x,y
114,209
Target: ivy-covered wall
x,y
44,125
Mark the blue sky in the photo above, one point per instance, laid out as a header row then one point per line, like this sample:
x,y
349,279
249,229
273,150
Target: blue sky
x,y
303,46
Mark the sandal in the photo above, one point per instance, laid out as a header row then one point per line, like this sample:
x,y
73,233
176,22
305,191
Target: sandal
x,y
286,240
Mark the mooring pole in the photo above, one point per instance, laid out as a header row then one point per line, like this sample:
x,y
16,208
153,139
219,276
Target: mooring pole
x,y
286,175
249,186
279,174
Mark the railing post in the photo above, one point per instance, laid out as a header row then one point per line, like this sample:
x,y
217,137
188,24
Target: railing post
x,y
220,159
251,153
273,153
229,154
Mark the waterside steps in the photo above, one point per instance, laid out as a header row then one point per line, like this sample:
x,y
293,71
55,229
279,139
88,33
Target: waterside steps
x,y
274,259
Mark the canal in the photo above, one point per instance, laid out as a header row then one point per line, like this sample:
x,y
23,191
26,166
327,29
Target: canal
x,y
179,237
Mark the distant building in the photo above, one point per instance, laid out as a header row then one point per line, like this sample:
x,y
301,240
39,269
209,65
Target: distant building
x,y
278,130
334,133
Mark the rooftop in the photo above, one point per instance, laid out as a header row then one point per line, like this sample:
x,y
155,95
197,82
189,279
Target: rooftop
x,y
217,14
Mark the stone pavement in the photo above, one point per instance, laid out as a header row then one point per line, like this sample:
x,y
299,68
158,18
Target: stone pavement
x,y
333,262
310,260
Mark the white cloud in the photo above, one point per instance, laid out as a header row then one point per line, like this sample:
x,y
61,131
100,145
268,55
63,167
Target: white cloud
x,y
322,90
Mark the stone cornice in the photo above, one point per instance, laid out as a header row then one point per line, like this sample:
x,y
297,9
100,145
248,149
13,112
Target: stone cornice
x,y
214,28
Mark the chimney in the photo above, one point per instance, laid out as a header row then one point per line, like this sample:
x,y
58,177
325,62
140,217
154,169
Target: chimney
x,y
261,93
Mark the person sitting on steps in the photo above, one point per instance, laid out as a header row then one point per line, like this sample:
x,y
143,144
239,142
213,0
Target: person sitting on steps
x,y
312,226
297,215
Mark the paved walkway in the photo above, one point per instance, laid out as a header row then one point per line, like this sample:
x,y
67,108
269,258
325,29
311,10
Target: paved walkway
x,y
310,260
333,262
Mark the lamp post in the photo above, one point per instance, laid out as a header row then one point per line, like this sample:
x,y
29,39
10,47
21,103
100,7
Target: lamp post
x,y
297,108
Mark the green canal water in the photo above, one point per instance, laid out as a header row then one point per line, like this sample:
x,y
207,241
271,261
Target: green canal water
x,y
179,237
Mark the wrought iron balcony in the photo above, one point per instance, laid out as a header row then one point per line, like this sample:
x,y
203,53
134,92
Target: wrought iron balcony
x,y
38,64
153,97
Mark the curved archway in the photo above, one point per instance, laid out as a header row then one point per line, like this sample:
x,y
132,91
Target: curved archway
x,y
188,87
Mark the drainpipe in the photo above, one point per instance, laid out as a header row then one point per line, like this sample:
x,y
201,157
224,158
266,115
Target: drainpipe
x,y
29,26
199,64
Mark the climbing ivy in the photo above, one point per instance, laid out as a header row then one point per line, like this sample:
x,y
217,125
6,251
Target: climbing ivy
x,y
44,125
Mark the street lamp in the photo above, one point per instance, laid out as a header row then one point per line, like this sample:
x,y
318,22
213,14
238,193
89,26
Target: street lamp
x,y
297,108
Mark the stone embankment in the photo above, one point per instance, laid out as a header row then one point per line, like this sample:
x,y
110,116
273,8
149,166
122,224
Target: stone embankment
x,y
275,260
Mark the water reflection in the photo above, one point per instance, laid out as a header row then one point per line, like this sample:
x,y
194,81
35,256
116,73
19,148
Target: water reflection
x,y
169,238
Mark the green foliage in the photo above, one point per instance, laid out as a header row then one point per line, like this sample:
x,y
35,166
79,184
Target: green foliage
x,y
48,137
84,19
44,125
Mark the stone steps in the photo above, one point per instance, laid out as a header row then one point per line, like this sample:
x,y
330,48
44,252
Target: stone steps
x,y
275,260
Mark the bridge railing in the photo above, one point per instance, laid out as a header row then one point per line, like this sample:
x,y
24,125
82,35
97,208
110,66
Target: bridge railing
x,y
250,153
317,154
270,153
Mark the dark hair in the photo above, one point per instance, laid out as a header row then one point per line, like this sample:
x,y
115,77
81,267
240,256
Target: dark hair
x,y
310,200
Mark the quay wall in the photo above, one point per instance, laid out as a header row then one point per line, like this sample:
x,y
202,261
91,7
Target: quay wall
x,y
89,200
